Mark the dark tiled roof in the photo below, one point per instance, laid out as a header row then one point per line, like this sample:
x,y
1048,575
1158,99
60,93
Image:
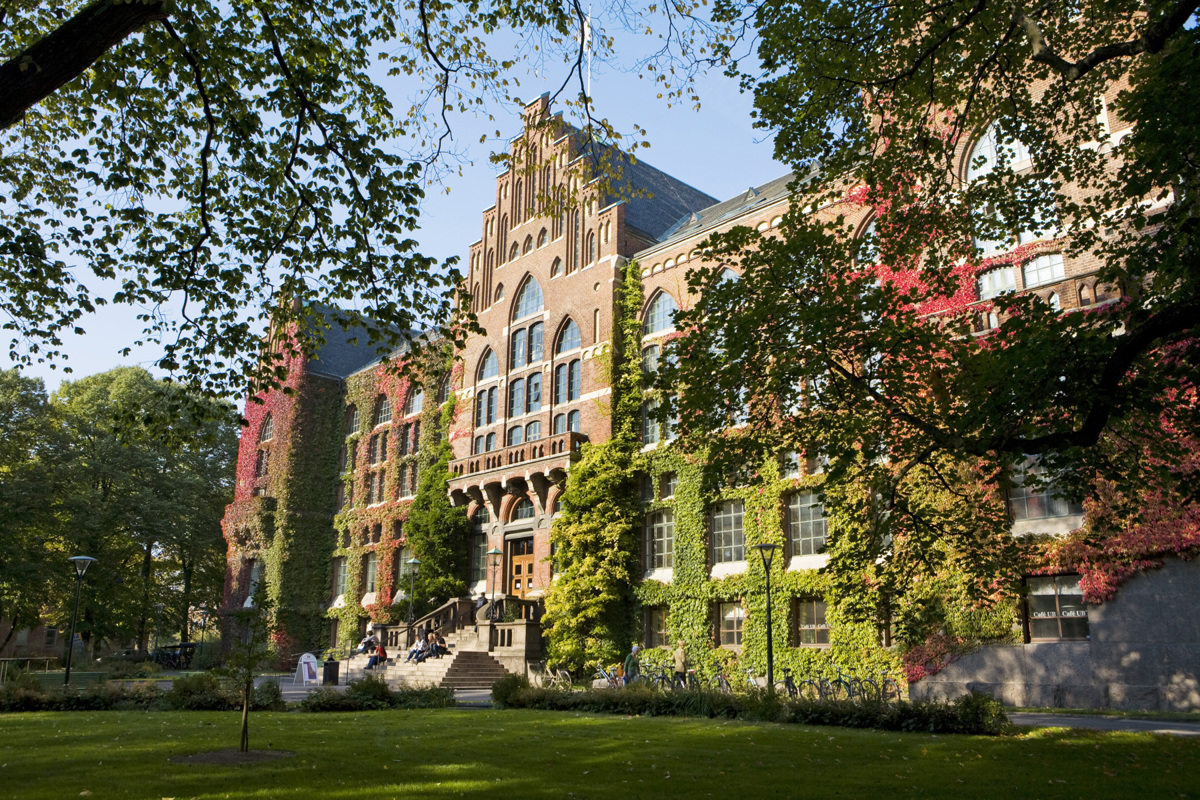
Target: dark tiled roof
x,y
768,193
654,200
346,350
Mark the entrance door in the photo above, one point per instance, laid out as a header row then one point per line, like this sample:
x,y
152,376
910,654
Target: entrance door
x,y
520,559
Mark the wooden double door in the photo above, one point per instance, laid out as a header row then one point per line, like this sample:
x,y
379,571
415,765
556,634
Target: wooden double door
x,y
520,567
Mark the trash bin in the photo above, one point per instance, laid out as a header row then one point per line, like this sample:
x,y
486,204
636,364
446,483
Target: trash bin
x,y
329,675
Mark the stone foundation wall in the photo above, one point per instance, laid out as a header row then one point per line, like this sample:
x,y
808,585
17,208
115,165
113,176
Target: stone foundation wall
x,y
1143,654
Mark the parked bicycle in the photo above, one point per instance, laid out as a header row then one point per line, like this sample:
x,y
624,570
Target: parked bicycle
x,y
787,685
609,675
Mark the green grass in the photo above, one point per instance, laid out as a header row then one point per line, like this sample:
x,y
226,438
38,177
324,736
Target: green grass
x,y
531,754
1169,716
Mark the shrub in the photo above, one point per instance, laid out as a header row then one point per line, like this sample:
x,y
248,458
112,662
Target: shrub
x,y
126,670
201,692
507,686
268,697
973,714
373,694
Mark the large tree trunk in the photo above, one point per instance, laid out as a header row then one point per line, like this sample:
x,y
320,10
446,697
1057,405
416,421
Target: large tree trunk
x,y
41,69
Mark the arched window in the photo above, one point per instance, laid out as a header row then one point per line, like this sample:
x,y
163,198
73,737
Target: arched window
x,y
566,382
987,152
591,247
1043,270
516,398
513,252
560,424
1054,302
659,315
519,206
533,393
485,408
535,342
416,399
516,435
650,359
498,295
266,431
517,349
443,392
352,421
489,366
727,275
482,516
533,431
528,245
543,237
383,410
570,338
529,301
556,268
490,445
523,509
866,250
573,422
478,447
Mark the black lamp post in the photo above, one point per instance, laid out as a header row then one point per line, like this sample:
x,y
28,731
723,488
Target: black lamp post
x,y
494,555
158,609
203,623
414,564
81,565
767,551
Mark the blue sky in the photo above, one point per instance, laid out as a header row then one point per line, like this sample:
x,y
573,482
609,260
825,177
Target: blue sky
x,y
715,149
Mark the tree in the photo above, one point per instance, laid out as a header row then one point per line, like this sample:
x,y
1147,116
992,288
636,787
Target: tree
x,y
250,653
28,526
860,347
231,168
145,500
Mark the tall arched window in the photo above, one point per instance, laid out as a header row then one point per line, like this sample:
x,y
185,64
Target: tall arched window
x,y
567,382
513,252
519,207
516,398
383,410
535,342
529,301
443,392
352,421
523,509
660,314
569,339
528,245
591,247
266,431
416,399
489,366
556,268
543,237
990,149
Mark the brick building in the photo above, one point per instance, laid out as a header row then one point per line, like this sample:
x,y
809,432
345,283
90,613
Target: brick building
x,y
323,494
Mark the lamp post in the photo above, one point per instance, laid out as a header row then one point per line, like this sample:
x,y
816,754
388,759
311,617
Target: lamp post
x,y
203,623
414,564
158,609
767,551
81,565
494,555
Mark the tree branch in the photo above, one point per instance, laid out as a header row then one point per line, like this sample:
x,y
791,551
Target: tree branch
x,y
45,66
1152,39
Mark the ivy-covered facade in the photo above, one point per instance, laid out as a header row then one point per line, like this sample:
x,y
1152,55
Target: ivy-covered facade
x,y
537,463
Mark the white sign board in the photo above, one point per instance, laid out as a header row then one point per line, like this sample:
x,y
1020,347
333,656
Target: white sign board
x,y
306,670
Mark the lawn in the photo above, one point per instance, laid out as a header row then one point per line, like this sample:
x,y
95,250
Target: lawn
x,y
533,754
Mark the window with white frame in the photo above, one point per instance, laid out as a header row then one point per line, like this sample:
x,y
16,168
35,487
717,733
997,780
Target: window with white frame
x,y
659,314
812,629
1038,501
806,522
731,618
529,301
996,282
660,539
1043,269
728,535
656,627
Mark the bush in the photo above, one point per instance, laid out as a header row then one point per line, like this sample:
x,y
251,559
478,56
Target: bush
x,y
507,686
133,670
373,694
972,714
268,697
25,694
201,692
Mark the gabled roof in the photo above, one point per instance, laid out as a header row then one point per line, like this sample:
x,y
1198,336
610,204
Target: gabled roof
x,y
346,350
654,200
744,203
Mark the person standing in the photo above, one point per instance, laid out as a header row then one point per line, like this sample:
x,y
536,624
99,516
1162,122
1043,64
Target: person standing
x,y
633,669
680,664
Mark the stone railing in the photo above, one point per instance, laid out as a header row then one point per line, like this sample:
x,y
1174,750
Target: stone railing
x,y
551,447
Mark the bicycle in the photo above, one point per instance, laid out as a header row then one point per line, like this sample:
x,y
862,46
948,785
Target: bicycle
x,y
723,683
663,680
557,679
787,685
614,682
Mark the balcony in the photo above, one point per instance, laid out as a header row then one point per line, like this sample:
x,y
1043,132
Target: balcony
x,y
557,446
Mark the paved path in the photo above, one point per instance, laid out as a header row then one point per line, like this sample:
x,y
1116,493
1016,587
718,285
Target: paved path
x,y
1102,723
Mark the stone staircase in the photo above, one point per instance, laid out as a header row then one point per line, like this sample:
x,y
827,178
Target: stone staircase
x,y
468,666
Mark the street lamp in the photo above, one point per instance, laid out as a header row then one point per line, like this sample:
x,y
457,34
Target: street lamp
x,y
203,623
81,565
767,551
494,555
158,609
414,564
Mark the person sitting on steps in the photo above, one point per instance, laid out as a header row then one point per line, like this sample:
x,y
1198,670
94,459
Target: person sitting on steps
x,y
378,657
420,646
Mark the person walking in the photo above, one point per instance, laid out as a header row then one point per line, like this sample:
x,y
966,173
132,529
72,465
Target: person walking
x,y
633,669
680,664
